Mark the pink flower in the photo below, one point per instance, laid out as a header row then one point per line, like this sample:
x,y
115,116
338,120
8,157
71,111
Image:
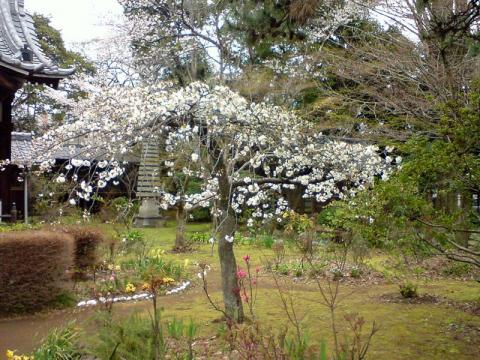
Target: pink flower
x,y
258,270
241,274
246,258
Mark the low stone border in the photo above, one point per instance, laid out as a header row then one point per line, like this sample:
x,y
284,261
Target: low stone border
x,y
136,297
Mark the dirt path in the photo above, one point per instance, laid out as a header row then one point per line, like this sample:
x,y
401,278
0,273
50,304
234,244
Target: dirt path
x,y
25,333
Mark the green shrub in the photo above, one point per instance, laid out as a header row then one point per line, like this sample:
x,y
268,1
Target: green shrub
x,y
178,329
50,198
130,339
60,344
86,243
328,217
120,210
457,269
18,227
200,214
244,240
156,264
32,269
65,299
133,241
408,290
298,272
266,241
283,269
314,271
199,237
355,272
337,273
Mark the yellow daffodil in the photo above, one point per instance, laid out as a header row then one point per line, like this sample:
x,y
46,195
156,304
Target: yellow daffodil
x,y
145,286
186,262
157,252
168,280
130,288
11,356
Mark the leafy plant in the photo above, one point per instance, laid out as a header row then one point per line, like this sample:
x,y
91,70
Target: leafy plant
x,y
266,241
355,272
121,210
283,269
337,273
132,238
178,330
199,237
60,344
244,240
408,290
457,269
298,223
134,241
129,339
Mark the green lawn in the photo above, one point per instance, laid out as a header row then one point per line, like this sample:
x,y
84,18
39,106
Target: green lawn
x,y
408,331
425,330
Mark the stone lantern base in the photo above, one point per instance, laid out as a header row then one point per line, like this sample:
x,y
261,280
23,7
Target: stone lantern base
x,y
149,215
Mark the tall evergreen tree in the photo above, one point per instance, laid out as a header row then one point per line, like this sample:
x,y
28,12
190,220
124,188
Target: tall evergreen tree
x,y
32,101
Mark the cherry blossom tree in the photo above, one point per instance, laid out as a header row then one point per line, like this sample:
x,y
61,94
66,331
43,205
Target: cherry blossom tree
x,y
245,154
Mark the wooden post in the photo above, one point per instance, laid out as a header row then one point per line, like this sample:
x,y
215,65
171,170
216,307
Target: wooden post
x,y
25,197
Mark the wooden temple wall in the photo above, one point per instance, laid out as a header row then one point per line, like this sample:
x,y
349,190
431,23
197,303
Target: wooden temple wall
x,y
11,191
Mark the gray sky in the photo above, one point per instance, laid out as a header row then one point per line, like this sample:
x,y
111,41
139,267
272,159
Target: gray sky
x,y
78,20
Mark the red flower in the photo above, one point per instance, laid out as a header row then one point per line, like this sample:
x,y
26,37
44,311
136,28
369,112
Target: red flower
x,y
241,274
246,258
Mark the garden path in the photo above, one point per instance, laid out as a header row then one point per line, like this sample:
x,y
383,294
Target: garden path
x,y
25,333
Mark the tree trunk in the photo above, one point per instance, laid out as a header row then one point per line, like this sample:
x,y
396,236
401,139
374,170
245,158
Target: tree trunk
x,y
228,265
181,224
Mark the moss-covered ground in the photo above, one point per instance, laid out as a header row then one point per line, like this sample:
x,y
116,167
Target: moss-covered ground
x,y
441,324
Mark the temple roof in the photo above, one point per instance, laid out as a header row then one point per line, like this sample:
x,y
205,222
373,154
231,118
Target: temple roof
x,y
20,50
25,152
22,148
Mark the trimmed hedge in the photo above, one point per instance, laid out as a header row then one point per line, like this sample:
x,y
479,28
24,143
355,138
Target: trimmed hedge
x,y
86,242
32,269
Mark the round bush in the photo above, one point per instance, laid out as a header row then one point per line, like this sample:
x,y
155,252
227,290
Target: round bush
x,y
86,242
32,269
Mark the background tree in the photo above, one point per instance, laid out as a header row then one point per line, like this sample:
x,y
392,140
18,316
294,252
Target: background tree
x,y
34,104
397,77
414,85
